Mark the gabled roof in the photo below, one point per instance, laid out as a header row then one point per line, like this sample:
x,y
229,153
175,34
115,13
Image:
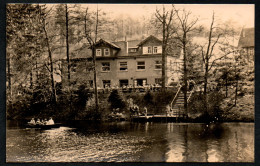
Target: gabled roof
x,y
108,43
247,38
148,38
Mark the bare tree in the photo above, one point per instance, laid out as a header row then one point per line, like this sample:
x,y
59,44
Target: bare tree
x,y
186,26
92,39
165,20
44,14
214,37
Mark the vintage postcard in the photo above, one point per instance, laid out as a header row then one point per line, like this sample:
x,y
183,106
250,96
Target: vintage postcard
x,y
130,82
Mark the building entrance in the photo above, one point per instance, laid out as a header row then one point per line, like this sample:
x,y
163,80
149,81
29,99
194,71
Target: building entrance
x,y
123,83
140,82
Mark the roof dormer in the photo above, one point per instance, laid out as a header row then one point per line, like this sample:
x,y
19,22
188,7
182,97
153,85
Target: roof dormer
x,y
104,48
151,45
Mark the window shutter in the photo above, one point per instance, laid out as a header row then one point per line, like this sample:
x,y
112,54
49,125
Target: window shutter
x,y
159,49
145,50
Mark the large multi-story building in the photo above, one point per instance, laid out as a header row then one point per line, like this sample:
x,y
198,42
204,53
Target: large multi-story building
x,y
131,63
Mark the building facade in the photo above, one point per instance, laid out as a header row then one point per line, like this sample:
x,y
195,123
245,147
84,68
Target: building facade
x,y
129,63
246,43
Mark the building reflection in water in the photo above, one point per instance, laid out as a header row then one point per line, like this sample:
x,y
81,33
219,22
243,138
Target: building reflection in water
x,y
210,143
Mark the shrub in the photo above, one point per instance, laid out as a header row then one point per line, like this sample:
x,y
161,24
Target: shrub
x,y
155,102
115,100
148,98
197,107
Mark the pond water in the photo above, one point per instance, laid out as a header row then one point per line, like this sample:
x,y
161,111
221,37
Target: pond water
x,y
85,141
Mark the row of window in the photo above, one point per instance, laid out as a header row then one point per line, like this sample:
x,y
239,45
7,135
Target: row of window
x,y
140,65
106,52
249,51
146,50
152,50
125,82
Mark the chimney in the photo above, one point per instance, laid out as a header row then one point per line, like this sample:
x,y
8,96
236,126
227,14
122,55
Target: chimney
x,y
126,45
244,33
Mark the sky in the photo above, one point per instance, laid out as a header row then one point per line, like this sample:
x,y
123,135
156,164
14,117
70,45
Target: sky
x,y
242,14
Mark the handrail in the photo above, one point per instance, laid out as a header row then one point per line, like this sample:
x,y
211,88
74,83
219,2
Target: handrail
x,y
179,91
191,90
176,96
190,94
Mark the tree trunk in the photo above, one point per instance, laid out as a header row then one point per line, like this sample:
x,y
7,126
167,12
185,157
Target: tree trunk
x,y
236,75
185,76
37,72
95,78
94,58
205,87
54,96
52,77
9,76
236,92
31,79
67,42
163,50
226,85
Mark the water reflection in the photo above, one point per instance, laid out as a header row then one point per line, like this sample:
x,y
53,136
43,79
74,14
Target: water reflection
x,y
226,142
124,141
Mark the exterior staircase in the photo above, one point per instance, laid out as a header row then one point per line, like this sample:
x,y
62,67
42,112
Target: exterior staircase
x,y
177,104
177,108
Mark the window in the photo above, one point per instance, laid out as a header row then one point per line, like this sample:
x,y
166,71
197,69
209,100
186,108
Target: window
x,y
132,49
141,65
106,83
145,50
158,64
158,81
123,66
106,52
149,50
251,51
140,82
91,83
123,83
98,52
159,49
105,66
155,50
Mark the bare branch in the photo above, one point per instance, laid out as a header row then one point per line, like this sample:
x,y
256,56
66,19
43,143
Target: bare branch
x,y
158,16
47,67
191,25
210,37
202,54
214,61
212,47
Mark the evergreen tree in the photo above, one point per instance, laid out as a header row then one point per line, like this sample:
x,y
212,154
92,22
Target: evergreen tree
x,y
148,98
27,62
116,100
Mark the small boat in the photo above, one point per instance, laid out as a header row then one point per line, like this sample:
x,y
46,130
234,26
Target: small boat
x,y
44,127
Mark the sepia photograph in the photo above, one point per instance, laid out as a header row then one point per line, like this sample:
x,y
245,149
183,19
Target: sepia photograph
x,y
130,82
